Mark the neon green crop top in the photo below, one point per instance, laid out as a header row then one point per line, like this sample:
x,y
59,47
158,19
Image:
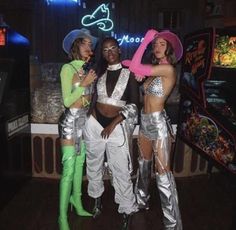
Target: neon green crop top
x,y
69,94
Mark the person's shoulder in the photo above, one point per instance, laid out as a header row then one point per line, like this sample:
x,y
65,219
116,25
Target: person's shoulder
x,y
125,68
65,66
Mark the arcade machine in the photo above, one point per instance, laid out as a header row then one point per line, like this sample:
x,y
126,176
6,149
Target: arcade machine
x,y
15,144
207,118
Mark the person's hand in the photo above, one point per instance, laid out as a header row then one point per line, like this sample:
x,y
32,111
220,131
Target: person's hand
x,y
106,132
139,78
150,35
89,78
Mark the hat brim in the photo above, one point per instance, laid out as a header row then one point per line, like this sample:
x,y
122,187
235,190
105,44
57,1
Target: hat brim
x,y
73,35
174,40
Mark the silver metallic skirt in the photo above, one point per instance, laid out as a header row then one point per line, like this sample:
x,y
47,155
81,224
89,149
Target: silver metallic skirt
x,y
153,125
71,124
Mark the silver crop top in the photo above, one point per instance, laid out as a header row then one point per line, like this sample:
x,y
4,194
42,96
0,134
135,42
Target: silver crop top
x,y
155,88
115,98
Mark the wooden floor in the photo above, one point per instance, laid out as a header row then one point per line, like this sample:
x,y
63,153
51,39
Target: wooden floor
x,y
205,203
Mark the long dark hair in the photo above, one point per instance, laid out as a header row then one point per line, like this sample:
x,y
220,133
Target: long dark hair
x,y
74,53
170,54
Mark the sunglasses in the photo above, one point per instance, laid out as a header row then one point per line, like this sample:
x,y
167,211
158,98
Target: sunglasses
x,y
113,49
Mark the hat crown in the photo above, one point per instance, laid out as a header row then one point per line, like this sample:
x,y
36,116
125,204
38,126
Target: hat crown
x,y
174,40
73,35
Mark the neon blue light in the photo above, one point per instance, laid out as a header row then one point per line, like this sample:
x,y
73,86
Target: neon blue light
x,y
99,17
128,39
17,38
63,1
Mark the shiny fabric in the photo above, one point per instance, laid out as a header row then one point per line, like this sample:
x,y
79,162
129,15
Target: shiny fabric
x,y
131,111
115,98
155,88
154,127
118,159
87,90
169,201
71,124
143,182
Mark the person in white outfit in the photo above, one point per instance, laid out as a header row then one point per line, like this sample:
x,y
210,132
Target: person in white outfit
x,y
109,128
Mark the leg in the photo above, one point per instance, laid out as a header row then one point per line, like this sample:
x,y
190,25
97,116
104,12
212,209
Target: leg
x,y
68,161
166,185
117,156
75,198
95,147
144,172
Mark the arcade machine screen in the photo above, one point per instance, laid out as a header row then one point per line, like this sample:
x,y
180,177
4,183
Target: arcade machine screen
x,y
221,88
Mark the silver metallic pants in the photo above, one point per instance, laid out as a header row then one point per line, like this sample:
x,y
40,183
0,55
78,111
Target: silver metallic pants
x,y
118,162
157,128
71,123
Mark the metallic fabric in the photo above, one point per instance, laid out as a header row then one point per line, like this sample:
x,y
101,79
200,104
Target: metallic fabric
x,y
154,127
155,88
88,90
71,124
169,201
115,98
142,183
130,110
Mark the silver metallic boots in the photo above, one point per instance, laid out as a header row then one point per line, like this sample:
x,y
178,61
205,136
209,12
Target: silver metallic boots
x,y
169,201
142,183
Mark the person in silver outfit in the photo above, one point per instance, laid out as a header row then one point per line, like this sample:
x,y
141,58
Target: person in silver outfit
x,y
109,129
155,134
76,85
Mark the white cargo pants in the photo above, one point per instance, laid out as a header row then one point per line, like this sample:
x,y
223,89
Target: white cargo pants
x,y
116,147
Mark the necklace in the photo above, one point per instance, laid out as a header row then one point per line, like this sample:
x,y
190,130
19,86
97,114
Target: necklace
x,y
114,67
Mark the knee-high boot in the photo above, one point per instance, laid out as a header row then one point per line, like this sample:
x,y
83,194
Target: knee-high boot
x,y
143,182
75,198
68,161
169,201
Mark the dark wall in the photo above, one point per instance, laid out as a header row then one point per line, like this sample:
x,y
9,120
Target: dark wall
x,y
46,25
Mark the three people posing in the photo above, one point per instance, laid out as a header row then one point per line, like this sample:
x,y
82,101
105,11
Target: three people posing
x,y
113,116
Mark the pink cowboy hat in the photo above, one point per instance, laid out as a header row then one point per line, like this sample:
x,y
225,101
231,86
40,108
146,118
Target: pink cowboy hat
x,y
174,40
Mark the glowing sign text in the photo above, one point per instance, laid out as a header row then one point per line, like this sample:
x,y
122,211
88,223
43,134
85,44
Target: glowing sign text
x,y
128,39
99,17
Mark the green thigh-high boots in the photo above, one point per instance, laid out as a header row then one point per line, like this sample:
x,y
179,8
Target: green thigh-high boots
x,y
68,161
75,198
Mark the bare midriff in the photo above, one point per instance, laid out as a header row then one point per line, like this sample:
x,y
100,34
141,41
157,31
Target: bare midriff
x,y
108,110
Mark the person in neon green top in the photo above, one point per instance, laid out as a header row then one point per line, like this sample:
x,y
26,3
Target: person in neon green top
x,y
77,87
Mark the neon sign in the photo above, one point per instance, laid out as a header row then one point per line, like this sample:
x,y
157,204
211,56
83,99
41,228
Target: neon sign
x,y
100,17
128,39
63,1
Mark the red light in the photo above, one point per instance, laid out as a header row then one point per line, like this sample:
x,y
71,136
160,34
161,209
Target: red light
x,y
3,33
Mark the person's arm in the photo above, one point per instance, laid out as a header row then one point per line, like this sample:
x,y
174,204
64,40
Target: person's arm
x,y
135,65
68,96
131,109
